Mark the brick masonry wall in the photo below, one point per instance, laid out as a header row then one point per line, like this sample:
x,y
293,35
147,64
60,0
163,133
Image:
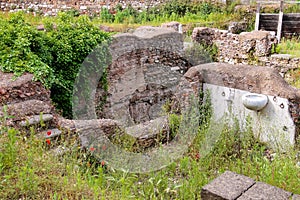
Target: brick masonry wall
x,y
146,68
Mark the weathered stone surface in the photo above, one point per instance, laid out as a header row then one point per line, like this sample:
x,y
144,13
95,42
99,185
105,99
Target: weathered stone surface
x,y
231,186
296,197
237,27
146,67
150,133
26,108
242,79
36,119
246,48
228,186
21,89
52,133
255,79
264,191
263,41
173,25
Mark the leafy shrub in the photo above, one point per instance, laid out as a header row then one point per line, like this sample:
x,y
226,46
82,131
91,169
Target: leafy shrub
x,y
24,49
106,16
71,42
54,56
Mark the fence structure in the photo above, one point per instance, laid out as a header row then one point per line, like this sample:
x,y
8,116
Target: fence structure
x,y
283,24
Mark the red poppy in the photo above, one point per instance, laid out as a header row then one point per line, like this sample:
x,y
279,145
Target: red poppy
x,y
48,141
103,147
102,163
48,132
197,156
92,149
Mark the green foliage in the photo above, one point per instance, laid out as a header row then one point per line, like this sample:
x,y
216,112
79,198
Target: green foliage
x,y
71,42
184,11
198,54
289,46
30,171
54,56
24,49
174,123
106,16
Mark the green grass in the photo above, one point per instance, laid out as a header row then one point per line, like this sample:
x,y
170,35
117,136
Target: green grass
x,y
289,46
29,170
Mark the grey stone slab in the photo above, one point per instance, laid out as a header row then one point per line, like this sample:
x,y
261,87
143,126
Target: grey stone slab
x,y
52,133
265,191
296,197
228,186
36,119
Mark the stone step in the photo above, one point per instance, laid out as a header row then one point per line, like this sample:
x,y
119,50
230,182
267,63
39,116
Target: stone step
x,y
36,119
15,90
150,133
142,136
51,133
19,110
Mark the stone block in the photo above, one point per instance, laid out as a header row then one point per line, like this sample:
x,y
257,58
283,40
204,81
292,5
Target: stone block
x,y
226,187
264,191
296,197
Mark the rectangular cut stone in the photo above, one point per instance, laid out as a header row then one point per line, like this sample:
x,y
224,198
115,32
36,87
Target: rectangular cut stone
x,y
296,197
228,186
265,191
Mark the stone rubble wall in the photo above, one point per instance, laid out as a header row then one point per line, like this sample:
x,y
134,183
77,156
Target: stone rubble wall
x,y
146,68
22,99
252,48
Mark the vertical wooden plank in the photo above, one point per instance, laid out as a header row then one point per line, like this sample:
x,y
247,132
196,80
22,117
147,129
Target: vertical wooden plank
x,y
279,27
257,17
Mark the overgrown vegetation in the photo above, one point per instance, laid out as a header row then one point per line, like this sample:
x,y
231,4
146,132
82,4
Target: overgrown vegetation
x,y
29,170
289,46
53,56
184,11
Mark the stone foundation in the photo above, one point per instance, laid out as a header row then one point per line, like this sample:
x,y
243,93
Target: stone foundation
x,y
254,48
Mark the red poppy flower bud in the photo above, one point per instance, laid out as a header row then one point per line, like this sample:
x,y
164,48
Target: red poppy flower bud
x,y
92,149
48,141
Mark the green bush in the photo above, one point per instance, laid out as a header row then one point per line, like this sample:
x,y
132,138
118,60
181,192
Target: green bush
x,y
71,42
106,16
24,49
54,56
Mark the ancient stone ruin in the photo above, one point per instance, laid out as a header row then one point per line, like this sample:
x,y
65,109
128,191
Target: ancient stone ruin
x,y
253,48
146,68
148,71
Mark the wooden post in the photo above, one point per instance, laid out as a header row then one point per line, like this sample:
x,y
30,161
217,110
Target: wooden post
x,y
279,27
257,17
